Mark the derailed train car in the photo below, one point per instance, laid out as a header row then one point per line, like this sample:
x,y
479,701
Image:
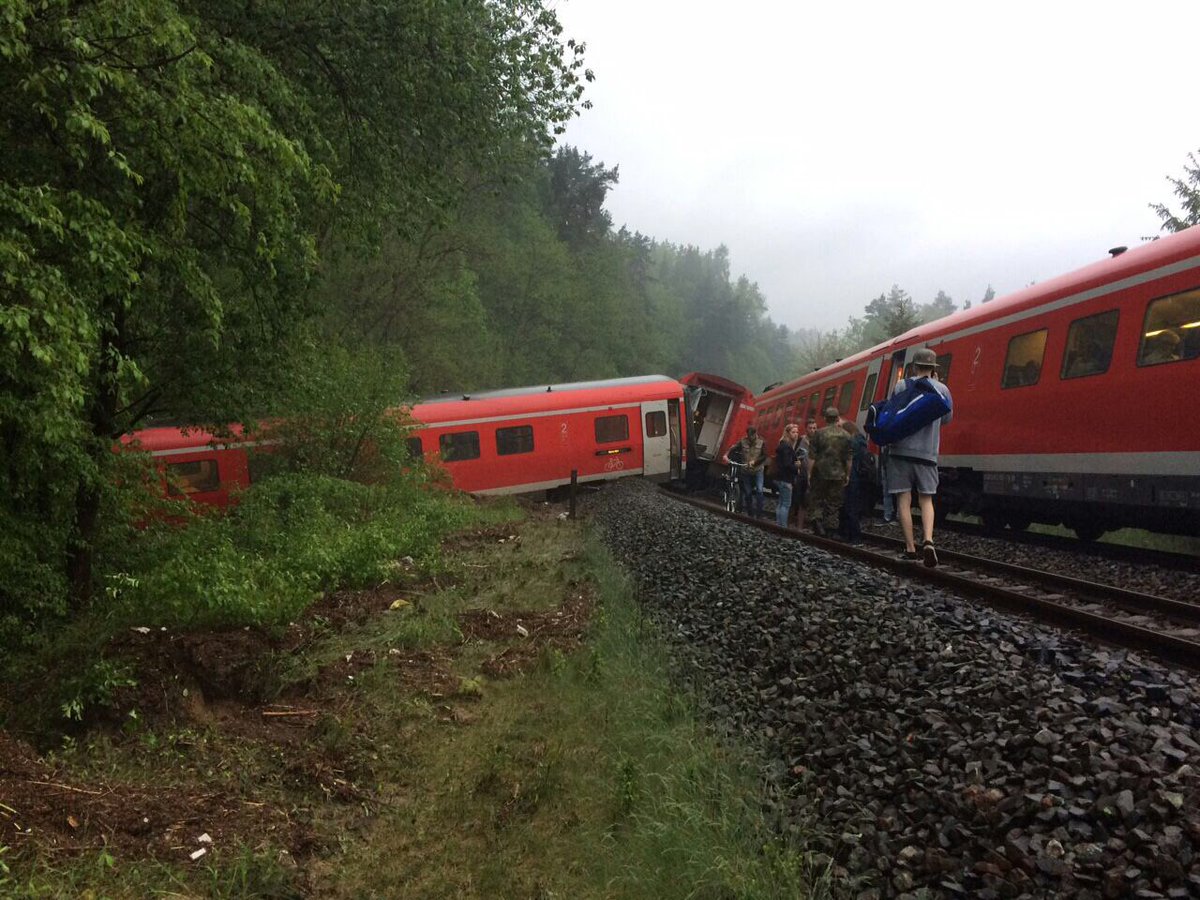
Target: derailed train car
x,y
1072,396
718,412
517,440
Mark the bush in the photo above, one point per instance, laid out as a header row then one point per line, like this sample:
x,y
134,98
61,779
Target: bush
x,y
291,537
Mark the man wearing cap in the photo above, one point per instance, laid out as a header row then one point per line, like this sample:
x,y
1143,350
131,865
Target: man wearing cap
x,y
828,473
912,464
753,452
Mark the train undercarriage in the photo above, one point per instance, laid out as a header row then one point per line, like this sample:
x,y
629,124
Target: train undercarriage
x,y
1091,505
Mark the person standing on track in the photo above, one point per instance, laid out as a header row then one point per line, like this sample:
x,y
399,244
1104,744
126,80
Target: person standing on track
x,y
754,457
913,463
828,473
785,472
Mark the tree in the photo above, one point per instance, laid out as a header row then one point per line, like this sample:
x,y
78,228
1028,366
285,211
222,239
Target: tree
x,y
576,190
1187,189
938,308
889,315
169,174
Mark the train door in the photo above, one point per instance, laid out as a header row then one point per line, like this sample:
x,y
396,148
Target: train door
x,y
656,440
892,373
675,426
870,390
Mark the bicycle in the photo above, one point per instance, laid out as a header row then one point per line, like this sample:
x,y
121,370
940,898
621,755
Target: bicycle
x,y
731,493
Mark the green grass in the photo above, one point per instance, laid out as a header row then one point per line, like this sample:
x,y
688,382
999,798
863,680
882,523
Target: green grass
x,y
588,776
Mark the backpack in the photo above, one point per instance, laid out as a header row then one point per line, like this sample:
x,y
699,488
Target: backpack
x,y
864,469
906,412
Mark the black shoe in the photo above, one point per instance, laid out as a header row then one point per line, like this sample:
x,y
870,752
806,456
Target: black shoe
x,y
929,554
909,556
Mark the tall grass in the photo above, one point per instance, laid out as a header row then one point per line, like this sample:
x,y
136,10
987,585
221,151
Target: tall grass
x,y
686,810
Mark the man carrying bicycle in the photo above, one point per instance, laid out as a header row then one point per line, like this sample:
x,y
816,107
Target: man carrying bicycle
x,y
753,451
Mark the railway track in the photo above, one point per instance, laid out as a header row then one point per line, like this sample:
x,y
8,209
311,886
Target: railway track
x,y
1184,562
1166,628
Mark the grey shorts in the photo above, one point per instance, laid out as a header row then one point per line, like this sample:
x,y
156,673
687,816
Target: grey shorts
x,y
906,475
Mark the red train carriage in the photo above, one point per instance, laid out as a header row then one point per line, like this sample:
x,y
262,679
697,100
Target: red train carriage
x,y
498,442
530,439
197,464
718,412
1072,397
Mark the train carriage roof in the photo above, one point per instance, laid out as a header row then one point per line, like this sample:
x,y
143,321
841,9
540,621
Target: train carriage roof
x,y
546,398
1158,258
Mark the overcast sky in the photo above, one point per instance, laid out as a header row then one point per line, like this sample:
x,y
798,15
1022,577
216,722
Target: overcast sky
x,y
837,148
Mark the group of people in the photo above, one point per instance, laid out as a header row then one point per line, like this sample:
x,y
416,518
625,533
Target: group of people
x,y
822,474
829,474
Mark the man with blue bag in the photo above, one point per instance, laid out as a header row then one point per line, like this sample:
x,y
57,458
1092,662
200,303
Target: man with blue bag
x,y
909,424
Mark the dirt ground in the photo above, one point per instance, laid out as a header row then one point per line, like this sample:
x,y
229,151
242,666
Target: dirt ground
x,y
219,682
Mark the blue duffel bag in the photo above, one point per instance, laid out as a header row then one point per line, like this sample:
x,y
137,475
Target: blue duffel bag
x,y
905,412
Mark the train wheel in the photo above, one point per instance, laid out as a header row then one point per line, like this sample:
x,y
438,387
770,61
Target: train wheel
x,y
993,522
1017,523
1089,531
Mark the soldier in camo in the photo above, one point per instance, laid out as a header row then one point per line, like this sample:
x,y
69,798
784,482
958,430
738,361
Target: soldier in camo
x,y
829,459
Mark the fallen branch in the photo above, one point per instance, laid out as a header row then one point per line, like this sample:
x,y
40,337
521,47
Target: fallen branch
x,y
279,713
65,787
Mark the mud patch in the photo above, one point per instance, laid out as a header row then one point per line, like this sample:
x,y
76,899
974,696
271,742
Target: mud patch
x,y
44,811
534,633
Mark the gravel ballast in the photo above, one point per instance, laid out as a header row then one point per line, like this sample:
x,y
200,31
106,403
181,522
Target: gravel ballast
x,y
936,747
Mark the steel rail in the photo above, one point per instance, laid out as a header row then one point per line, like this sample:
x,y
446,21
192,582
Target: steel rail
x,y
1183,562
1178,609
1169,647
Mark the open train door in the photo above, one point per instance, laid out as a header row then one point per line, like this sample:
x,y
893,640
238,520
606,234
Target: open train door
x,y
870,389
657,439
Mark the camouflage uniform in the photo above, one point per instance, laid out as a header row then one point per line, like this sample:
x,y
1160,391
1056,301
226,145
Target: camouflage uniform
x,y
830,450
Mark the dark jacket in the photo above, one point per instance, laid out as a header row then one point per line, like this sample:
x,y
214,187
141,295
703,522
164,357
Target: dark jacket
x,y
785,462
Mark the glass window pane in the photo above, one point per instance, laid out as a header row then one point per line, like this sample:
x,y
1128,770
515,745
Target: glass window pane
x,y
1171,331
461,445
1023,365
415,449
518,439
827,400
1090,345
656,424
195,477
868,391
610,429
843,403
943,369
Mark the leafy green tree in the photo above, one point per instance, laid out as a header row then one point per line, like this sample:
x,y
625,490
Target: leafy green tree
x,y
576,190
170,172
889,315
1187,189
938,308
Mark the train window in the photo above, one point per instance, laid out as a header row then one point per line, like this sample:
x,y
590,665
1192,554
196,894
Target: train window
x,y
610,429
827,400
868,391
789,414
196,477
511,441
847,392
415,450
812,407
656,423
1171,331
1023,365
459,446
943,367
1089,345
